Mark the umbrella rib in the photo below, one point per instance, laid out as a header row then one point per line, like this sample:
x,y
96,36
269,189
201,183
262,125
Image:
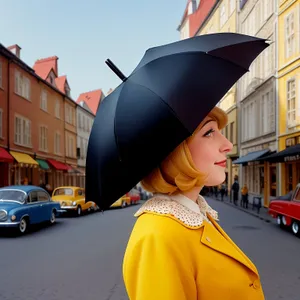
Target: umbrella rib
x,y
191,52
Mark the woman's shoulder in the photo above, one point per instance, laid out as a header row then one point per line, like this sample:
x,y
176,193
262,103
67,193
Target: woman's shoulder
x,y
163,209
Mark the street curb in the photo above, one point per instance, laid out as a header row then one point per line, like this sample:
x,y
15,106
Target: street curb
x,y
267,219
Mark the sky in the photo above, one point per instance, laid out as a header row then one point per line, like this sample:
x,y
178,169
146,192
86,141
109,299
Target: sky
x,y
83,34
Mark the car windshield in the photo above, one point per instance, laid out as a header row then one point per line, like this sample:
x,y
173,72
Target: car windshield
x,y
63,191
12,195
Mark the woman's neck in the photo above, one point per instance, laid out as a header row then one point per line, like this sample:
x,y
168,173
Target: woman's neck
x,y
193,194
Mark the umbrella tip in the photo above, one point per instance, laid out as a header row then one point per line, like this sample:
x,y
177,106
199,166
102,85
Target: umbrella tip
x,y
115,69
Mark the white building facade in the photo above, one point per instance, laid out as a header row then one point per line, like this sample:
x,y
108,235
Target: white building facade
x,y
85,119
257,101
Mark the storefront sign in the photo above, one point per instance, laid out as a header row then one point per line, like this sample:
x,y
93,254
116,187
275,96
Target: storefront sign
x,y
242,3
292,158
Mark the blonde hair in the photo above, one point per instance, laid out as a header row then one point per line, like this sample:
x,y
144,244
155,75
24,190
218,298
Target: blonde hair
x,y
178,173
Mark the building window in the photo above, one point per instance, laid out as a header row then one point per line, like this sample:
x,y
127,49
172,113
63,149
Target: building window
x,y
57,109
82,148
69,115
57,143
44,100
1,70
222,15
85,148
79,120
43,138
67,90
1,123
268,9
231,6
70,149
291,103
289,28
232,132
22,85
22,131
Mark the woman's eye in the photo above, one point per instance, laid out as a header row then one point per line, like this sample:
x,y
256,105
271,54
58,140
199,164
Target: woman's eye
x,y
209,132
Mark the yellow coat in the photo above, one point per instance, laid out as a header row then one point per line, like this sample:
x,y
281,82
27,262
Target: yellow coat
x,y
175,254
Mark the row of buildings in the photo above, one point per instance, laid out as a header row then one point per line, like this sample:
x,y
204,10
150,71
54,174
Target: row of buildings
x,y
264,105
43,132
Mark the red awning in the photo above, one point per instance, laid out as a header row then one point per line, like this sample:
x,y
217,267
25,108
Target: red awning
x,y
5,156
58,165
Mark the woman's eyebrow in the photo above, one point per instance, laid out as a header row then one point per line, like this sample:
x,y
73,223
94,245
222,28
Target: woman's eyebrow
x,y
211,120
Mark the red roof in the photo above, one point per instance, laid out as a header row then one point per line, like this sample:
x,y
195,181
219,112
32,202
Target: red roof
x,y
200,15
197,18
58,165
60,83
42,67
5,156
91,99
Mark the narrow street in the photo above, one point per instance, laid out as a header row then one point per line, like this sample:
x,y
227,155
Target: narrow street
x,y
274,251
81,258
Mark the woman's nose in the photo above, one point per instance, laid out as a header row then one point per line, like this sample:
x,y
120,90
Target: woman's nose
x,y
227,145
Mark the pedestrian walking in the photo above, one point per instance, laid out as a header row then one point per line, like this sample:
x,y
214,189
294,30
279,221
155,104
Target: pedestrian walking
x,y
244,192
177,250
235,190
223,191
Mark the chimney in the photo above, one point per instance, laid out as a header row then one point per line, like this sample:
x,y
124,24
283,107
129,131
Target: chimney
x,y
15,49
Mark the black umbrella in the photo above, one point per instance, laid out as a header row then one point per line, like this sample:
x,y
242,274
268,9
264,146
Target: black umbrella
x,y
158,106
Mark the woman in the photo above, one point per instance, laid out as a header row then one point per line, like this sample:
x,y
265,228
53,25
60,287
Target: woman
x,y
177,250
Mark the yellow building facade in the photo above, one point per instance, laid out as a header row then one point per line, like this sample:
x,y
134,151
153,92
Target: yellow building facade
x,y
289,90
223,18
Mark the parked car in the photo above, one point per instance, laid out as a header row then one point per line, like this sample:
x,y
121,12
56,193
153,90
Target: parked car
x,y
130,198
134,195
72,199
286,209
21,206
122,202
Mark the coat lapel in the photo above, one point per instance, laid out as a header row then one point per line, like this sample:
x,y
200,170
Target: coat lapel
x,y
220,241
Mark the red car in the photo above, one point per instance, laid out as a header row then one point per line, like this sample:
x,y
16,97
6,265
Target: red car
x,y
134,195
286,209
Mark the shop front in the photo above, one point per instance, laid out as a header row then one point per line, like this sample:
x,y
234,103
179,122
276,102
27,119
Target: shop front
x,y
258,175
6,160
44,175
22,172
289,159
59,171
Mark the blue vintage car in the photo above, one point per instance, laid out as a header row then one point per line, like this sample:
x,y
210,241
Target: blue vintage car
x,y
21,206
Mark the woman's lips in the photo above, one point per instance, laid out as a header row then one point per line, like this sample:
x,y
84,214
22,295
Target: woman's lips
x,y
221,163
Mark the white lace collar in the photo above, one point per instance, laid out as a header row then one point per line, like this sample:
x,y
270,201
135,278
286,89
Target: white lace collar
x,y
180,208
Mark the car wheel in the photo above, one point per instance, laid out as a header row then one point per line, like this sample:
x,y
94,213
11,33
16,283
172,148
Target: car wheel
x,y
79,211
53,217
23,226
296,228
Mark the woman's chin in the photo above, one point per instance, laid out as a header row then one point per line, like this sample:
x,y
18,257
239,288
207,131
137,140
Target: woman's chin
x,y
216,179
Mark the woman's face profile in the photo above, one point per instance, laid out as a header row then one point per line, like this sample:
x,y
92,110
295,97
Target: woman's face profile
x,y
209,147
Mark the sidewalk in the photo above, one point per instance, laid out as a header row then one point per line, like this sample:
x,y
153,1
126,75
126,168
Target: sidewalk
x,y
263,213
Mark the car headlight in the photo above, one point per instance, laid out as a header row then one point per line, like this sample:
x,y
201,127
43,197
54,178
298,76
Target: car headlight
x,y
13,217
74,203
3,215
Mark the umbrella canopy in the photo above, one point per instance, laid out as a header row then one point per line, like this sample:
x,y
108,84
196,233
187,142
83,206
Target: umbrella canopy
x,y
158,106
